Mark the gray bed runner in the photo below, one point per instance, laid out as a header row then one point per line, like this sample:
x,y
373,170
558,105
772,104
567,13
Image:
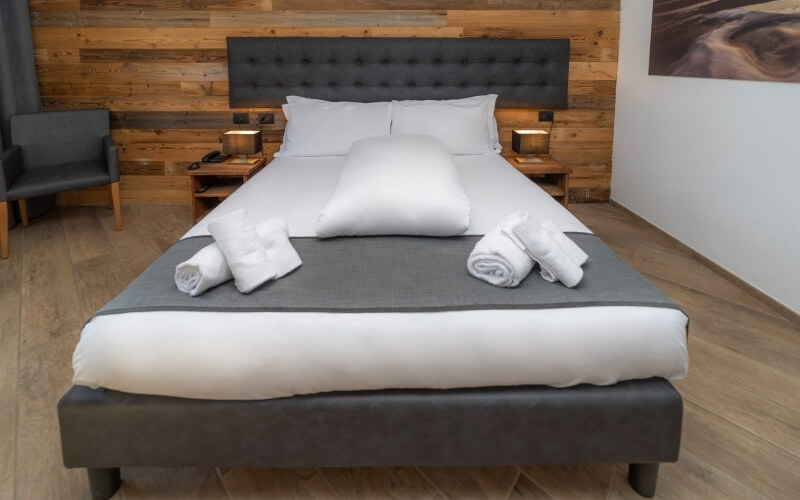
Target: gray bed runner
x,y
389,274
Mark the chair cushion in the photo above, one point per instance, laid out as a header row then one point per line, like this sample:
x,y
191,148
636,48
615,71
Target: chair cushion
x,y
56,137
57,178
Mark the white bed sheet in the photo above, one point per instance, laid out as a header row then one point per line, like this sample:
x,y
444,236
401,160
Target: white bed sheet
x,y
298,188
260,355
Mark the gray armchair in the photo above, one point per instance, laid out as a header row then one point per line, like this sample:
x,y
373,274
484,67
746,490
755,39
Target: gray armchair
x,y
56,151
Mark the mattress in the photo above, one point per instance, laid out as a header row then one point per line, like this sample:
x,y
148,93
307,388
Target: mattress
x,y
259,355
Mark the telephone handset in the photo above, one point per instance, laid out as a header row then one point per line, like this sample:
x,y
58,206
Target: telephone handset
x,y
215,157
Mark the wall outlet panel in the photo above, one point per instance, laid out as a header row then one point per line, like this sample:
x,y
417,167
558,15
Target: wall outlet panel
x,y
546,116
241,118
266,118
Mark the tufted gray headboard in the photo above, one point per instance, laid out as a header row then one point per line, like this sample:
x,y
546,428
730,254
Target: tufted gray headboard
x,y
525,73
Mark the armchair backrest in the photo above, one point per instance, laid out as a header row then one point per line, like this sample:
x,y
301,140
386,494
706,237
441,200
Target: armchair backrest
x,y
56,137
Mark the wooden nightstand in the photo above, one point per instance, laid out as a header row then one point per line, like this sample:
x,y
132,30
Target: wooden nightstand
x,y
550,175
213,182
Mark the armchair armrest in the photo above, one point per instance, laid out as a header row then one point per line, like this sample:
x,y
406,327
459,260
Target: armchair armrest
x,y
111,158
11,166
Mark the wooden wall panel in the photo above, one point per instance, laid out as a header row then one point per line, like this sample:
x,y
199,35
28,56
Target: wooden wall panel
x,y
161,67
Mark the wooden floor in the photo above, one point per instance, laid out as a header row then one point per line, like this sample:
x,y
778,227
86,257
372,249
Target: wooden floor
x,y
741,435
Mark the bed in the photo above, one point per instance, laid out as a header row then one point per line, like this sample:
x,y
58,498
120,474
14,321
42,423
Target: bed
x,y
157,384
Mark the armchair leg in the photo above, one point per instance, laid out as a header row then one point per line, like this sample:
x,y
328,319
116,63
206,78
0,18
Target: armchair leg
x,y
4,229
114,186
23,212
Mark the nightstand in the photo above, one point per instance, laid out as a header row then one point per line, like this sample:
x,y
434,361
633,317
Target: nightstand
x,y
549,175
213,182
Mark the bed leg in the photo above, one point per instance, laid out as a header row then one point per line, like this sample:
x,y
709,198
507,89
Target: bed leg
x,y
103,483
643,478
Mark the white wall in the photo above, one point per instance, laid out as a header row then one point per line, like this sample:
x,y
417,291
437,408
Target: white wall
x,y
714,163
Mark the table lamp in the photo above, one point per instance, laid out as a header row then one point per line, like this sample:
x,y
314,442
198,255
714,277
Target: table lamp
x,y
530,142
242,143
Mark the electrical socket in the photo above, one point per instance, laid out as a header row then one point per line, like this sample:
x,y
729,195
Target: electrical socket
x,y
546,116
241,118
266,118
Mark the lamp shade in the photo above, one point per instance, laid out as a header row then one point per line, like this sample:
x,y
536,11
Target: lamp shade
x,y
530,141
241,142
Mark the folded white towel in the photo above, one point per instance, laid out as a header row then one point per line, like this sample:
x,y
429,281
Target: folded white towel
x,y
283,258
570,247
556,261
246,255
498,259
208,267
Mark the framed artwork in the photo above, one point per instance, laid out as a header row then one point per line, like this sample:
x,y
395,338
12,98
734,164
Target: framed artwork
x,y
736,39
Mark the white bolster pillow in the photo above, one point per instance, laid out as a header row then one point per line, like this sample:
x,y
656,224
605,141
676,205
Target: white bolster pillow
x,y
397,184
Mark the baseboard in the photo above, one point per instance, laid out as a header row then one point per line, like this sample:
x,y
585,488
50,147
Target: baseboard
x,y
773,304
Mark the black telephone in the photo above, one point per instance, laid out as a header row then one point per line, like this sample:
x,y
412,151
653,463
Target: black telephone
x,y
215,157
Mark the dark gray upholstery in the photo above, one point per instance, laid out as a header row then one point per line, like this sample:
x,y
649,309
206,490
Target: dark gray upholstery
x,y
525,73
637,421
58,151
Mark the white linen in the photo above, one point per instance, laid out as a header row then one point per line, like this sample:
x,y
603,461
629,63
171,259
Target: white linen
x,y
245,254
208,267
498,259
268,355
297,189
329,128
262,355
396,184
462,126
486,102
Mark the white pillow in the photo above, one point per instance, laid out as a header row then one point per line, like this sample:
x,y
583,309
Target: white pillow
x,y
329,128
397,184
465,126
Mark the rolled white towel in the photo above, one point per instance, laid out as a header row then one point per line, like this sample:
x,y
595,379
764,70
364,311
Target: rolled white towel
x,y
246,255
570,247
208,267
202,271
499,260
554,260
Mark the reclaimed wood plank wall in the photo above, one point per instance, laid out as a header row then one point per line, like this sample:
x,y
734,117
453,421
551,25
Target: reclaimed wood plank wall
x,y
161,67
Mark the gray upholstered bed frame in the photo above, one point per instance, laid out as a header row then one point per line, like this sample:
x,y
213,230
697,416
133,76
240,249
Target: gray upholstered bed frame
x,y
638,422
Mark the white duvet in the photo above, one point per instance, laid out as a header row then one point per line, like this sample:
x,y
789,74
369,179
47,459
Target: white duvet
x,y
265,355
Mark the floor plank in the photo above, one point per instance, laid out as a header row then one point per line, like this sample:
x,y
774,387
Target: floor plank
x,y
7,489
277,483
527,489
741,424
690,477
572,481
148,232
478,482
379,482
774,423
84,231
174,483
50,308
10,303
735,368
97,279
714,439
45,373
